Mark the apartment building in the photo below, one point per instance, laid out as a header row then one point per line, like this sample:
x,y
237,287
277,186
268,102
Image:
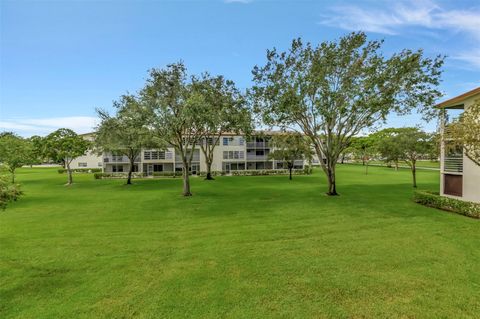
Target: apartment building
x,y
459,175
232,152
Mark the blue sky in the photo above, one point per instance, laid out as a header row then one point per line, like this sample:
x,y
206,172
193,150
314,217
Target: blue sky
x,y
59,60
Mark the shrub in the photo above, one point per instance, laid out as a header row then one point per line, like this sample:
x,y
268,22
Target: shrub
x,y
214,173
266,172
80,170
432,199
116,175
8,192
168,174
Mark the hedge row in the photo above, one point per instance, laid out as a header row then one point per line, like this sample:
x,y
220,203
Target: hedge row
x,y
432,199
80,170
116,175
269,172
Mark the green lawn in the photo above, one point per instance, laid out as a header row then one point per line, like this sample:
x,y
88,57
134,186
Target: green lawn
x,y
241,247
420,164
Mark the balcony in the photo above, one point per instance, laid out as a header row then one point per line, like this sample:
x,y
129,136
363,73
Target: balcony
x,y
257,157
118,159
258,145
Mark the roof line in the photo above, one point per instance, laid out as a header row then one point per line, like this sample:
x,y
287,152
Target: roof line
x,y
457,100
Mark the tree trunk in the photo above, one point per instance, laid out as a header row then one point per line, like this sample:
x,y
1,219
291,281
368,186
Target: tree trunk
x,y
290,167
332,190
130,170
209,171
414,174
70,177
186,180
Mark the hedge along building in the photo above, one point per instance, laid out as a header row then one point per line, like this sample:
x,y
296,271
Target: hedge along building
x,y
459,175
232,152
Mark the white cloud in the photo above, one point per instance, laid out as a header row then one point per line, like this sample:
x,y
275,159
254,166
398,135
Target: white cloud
x,y
44,126
425,15
471,57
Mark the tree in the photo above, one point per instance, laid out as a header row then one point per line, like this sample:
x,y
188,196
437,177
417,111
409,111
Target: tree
x,y
36,150
173,113
414,144
127,132
8,191
465,132
388,148
334,91
364,148
289,147
221,108
14,152
64,145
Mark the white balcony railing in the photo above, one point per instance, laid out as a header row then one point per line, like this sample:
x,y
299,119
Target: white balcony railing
x,y
453,164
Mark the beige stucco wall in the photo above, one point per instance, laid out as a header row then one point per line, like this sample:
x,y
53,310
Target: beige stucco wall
x,y
471,171
92,159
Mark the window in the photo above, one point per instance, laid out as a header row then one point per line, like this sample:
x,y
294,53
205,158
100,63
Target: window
x,y
117,168
82,164
146,155
225,155
241,141
225,141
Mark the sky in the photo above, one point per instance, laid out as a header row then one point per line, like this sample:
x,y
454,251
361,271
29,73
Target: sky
x,y
59,60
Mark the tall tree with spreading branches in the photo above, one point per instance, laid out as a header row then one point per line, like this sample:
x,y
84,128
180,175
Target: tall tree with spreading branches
x,y
126,132
64,145
335,90
221,108
173,113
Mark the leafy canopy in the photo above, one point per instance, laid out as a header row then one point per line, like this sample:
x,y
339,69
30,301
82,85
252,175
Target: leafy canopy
x,y
64,145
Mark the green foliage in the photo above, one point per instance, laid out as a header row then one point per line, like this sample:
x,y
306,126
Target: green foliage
x,y
431,199
15,152
64,145
212,173
8,191
465,132
335,90
127,132
80,170
220,108
174,115
265,172
116,175
289,147
165,174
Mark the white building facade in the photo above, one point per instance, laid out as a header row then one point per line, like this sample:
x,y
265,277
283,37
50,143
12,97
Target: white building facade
x,y
232,152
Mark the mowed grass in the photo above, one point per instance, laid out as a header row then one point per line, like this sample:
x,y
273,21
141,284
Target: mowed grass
x,y
241,247
419,164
